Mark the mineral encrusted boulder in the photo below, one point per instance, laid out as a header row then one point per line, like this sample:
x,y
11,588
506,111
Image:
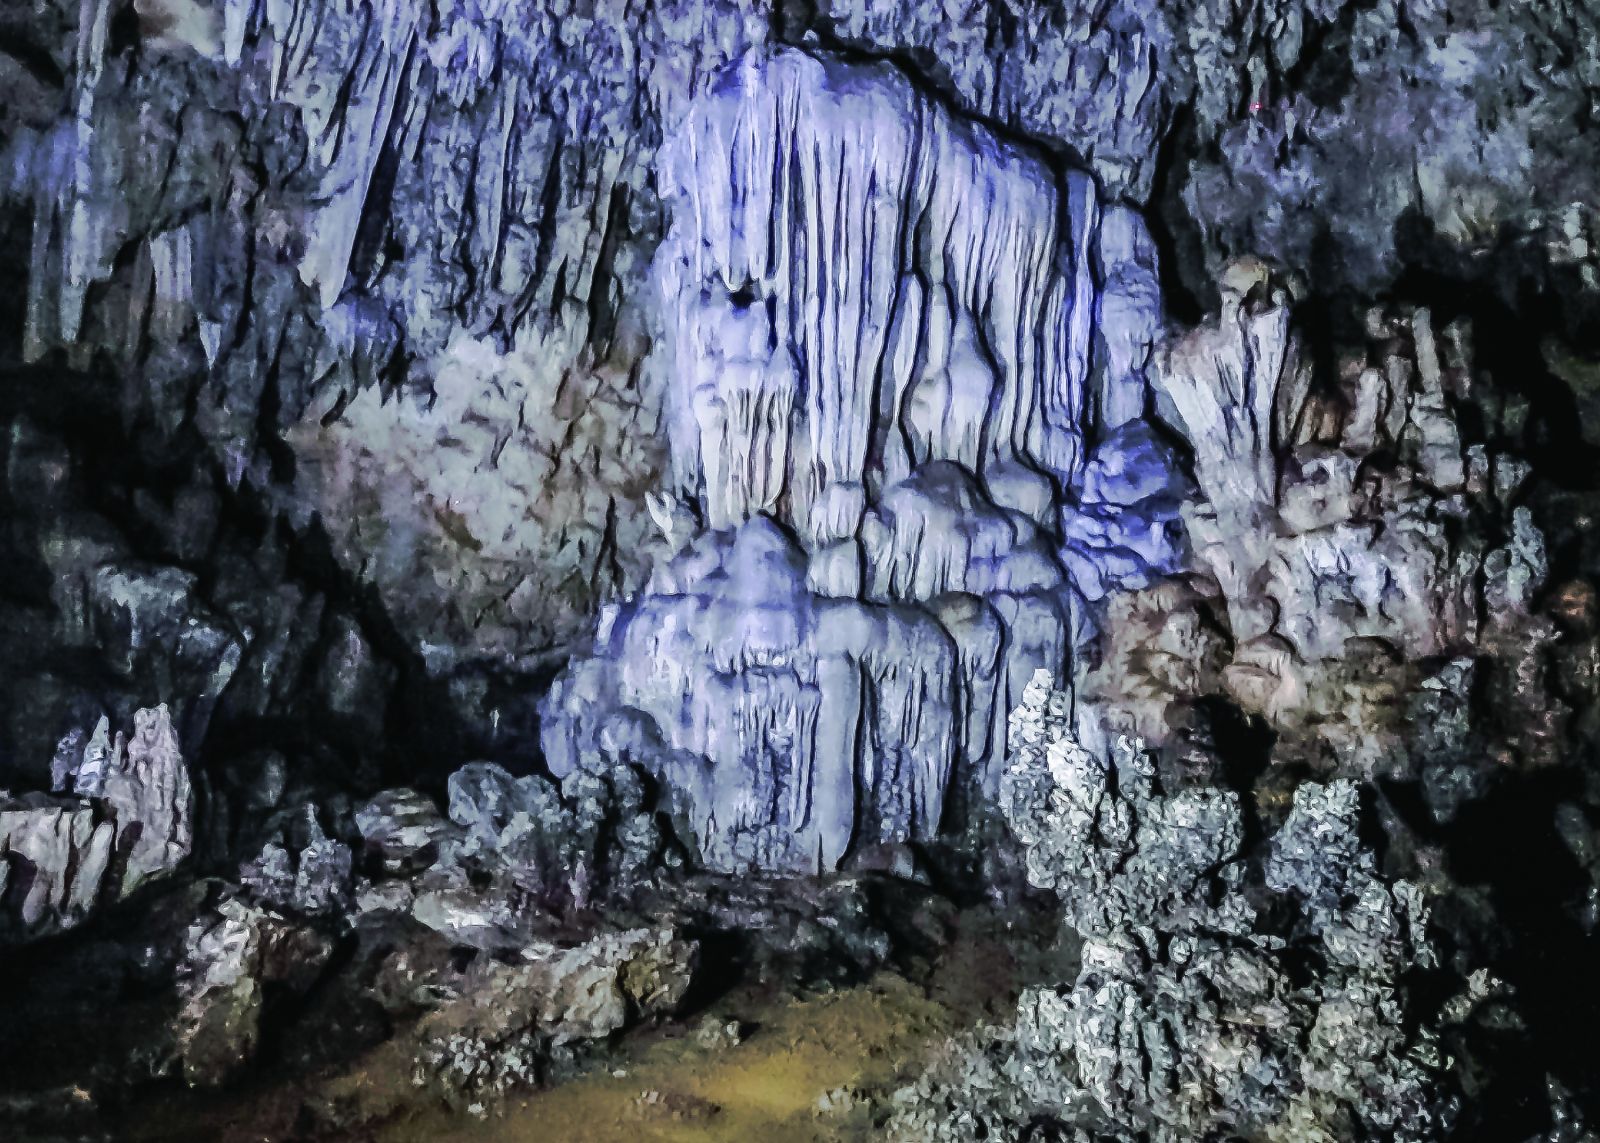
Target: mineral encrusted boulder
x,y
509,1018
231,955
402,830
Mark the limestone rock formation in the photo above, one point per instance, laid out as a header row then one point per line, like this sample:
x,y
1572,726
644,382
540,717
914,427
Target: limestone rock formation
x,y
56,856
1344,527
503,1029
145,789
883,430
1196,1010
315,880
419,237
1118,851
231,956
129,821
402,829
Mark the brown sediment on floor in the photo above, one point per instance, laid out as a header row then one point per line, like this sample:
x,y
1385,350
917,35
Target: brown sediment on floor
x,y
809,1071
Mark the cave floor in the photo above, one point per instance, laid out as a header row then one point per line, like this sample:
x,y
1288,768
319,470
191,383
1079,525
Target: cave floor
x,y
808,1068
811,1069
809,1064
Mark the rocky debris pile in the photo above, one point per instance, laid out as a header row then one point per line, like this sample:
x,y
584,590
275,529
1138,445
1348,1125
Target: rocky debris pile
x,y
507,852
137,582
875,443
1220,990
511,1020
126,820
501,876
231,956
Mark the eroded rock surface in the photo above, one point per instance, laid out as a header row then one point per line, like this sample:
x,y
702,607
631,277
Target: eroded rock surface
x,y
1198,1008
129,820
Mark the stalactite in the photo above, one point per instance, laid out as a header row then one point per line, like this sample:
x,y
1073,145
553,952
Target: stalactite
x,y
887,344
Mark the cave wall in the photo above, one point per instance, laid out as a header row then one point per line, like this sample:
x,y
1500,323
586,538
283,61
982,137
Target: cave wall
x,y
410,242
454,293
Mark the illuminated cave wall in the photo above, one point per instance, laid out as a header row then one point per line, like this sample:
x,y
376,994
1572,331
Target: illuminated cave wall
x,y
894,342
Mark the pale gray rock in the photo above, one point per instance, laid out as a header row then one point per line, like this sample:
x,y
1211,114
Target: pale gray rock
x,y
130,821
1189,1017
314,880
493,917
146,791
519,825
1101,833
510,1018
56,855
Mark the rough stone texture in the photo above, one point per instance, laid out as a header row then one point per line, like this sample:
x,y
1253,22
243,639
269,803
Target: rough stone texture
x,y
230,956
402,830
145,790
1101,834
56,857
314,880
459,369
414,243
131,821
1346,529
501,1031
470,296
1197,1011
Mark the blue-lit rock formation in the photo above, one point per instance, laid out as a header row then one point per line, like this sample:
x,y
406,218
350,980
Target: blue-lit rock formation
x,y
892,341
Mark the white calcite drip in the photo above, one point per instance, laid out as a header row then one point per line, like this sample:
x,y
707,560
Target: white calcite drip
x,y
892,341
856,283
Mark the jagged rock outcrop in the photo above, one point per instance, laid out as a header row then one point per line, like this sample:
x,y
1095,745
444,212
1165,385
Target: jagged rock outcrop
x,y
231,955
313,880
881,428
418,238
1197,1008
56,856
508,853
1343,527
144,787
130,820
1117,850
